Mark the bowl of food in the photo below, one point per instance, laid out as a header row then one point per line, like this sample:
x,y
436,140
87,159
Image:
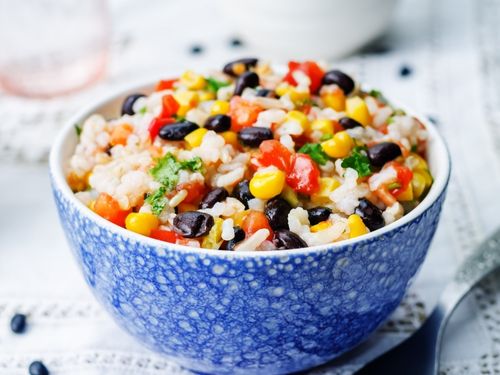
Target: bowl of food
x,y
251,220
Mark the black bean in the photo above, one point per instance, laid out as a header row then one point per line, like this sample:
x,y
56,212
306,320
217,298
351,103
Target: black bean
x,y
285,239
239,235
38,368
128,104
253,136
383,152
235,42
214,196
405,71
247,79
240,66
276,211
340,79
242,192
18,323
218,123
266,93
349,123
370,214
318,214
192,224
196,49
177,131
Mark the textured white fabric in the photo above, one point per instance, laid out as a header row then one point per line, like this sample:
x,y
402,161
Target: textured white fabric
x,y
452,47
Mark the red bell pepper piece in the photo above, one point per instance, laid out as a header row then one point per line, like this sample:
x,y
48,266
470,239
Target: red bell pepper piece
x,y
165,84
309,68
156,124
169,106
304,174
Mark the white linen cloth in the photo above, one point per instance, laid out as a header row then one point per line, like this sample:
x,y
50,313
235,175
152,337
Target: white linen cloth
x,y
453,49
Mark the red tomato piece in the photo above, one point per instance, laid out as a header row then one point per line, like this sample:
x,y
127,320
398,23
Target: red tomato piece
x,y
243,113
157,124
195,190
165,84
309,68
169,106
107,207
405,175
304,174
254,221
165,235
274,153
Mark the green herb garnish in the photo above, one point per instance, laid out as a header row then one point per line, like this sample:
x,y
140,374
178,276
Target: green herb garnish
x,y
167,170
157,200
326,137
214,85
378,95
358,161
143,110
393,185
78,129
315,151
195,164
414,148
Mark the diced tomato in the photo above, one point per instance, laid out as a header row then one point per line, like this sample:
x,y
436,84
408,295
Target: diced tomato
x,y
107,207
169,106
274,153
195,190
243,113
254,221
304,174
156,124
165,84
165,235
309,68
405,175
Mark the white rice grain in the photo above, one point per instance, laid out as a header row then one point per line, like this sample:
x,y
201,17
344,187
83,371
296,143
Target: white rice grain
x,y
227,230
178,198
252,242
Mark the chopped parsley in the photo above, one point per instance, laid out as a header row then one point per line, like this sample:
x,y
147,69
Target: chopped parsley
x,y
414,148
358,161
214,85
78,129
157,200
143,110
378,95
195,164
315,151
166,171
326,137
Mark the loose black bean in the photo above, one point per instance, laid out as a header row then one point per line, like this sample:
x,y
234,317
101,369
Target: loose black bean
x,y
192,224
383,152
318,214
235,42
38,368
239,235
196,49
349,123
128,104
214,196
340,79
266,93
240,66
18,323
285,239
253,136
370,214
276,211
242,192
247,79
218,123
405,71
177,131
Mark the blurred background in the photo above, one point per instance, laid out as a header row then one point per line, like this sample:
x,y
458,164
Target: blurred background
x,y
441,57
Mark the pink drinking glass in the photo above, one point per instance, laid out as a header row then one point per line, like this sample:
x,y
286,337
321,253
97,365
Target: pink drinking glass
x,y
52,47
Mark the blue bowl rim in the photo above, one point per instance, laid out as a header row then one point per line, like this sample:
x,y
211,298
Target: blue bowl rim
x,y
56,167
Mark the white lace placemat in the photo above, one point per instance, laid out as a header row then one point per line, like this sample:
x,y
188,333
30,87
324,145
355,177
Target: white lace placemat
x,y
450,47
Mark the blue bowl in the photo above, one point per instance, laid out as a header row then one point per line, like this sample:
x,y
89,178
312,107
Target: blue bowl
x,y
246,312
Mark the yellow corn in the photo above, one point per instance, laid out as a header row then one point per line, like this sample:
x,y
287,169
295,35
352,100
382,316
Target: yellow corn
x,y
324,126
290,196
220,107
282,89
195,138
299,117
321,226
298,96
339,146
192,80
266,185
141,222
239,217
206,96
415,162
356,226
418,184
406,195
357,109
335,100
186,100
213,239
428,177
230,137
326,186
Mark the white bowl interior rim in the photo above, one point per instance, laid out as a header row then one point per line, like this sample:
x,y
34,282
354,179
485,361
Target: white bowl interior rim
x,y
437,154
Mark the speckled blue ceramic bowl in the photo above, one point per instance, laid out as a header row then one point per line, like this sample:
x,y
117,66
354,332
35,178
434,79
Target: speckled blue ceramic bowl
x,y
247,312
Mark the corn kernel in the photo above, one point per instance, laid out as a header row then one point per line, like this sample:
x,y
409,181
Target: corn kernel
x,y
206,96
290,196
357,109
282,89
76,183
324,126
192,80
230,137
418,184
298,96
195,138
326,186
239,217
186,100
266,185
356,226
220,107
213,239
406,195
335,100
339,146
299,117
321,226
141,222
415,162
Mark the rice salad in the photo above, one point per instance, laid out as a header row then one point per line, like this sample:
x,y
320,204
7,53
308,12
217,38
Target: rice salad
x,y
247,158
